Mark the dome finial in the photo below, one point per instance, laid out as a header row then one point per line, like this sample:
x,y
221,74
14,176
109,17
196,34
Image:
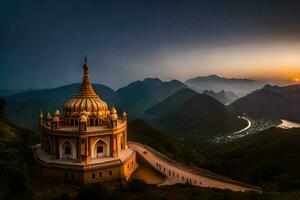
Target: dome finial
x,y
86,66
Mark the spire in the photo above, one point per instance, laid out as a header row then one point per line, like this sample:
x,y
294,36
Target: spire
x,y
86,88
86,66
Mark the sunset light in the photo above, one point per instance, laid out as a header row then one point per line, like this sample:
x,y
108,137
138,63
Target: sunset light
x,y
174,100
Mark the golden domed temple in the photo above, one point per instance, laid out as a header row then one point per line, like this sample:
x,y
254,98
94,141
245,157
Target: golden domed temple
x,y
87,142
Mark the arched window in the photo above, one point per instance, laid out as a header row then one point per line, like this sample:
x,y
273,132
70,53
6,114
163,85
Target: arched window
x,y
67,150
99,149
72,122
91,122
122,142
96,122
76,122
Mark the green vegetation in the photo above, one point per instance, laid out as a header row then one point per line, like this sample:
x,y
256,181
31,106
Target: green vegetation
x,y
137,189
15,158
139,131
269,158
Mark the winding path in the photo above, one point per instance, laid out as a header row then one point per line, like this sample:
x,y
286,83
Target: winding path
x,y
178,173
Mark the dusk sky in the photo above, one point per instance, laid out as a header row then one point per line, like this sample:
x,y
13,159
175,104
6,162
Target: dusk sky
x,y
43,43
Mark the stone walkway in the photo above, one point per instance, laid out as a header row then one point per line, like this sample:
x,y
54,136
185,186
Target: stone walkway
x,y
178,173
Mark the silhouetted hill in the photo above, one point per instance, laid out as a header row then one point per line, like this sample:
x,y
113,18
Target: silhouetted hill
x,y
137,96
270,156
141,132
240,87
8,92
225,97
272,102
23,108
171,103
202,116
141,95
163,89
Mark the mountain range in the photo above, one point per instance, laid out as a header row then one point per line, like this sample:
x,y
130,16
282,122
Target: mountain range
x,y
271,102
216,83
140,95
194,115
225,97
135,98
166,99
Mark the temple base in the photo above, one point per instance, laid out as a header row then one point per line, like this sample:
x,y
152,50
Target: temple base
x,y
78,173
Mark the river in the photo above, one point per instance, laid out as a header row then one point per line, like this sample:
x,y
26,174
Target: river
x,y
286,124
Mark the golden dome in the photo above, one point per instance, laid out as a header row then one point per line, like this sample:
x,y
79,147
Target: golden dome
x,y
55,119
85,113
114,117
113,112
49,116
85,99
83,118
56,112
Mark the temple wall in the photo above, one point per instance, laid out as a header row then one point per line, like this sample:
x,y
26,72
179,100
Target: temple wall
x,y
130,165
115,172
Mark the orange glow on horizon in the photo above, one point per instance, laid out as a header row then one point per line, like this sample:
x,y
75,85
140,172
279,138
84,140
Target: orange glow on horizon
x,y
269,61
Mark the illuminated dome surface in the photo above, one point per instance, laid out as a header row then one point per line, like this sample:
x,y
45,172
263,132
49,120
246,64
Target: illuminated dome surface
x,y
85,99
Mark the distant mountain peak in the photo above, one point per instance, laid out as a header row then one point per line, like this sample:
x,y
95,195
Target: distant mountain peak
x,y
223,96
152,81
271,102
268,86
214,76
238,86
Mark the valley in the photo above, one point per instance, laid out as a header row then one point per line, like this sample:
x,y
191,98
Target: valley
x,y
190,128
150,100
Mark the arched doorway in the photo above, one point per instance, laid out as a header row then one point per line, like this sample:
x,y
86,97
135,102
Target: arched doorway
x,y
76,122
48,145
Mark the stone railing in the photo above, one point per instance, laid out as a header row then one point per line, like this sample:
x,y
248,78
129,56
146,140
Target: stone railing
x,y
78,166
192,169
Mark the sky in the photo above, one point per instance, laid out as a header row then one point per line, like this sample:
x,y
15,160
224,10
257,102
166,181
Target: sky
x,y
43,43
